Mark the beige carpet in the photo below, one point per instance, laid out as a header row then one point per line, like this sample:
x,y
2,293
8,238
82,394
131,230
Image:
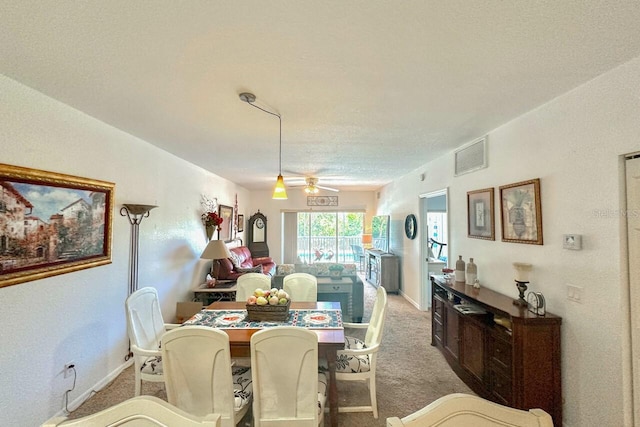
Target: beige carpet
x,y
411,373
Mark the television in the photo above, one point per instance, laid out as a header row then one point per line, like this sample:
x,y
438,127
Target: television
x,y
380,232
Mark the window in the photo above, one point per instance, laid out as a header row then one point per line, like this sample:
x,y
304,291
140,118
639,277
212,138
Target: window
x,y
328,236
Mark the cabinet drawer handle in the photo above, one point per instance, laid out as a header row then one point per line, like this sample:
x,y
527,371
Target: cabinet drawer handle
x,y
336,288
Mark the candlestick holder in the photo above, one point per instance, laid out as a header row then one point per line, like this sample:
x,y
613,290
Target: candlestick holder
x,y
522,280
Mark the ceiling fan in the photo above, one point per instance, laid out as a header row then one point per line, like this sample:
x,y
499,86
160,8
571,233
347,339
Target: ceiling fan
x,y
311,186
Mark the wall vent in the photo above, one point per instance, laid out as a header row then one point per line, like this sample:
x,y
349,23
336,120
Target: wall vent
x,y
471,157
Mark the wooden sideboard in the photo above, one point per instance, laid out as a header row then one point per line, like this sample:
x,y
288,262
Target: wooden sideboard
x,y
516,365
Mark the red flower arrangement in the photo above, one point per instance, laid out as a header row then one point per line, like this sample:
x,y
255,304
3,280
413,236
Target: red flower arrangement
x,y
212,219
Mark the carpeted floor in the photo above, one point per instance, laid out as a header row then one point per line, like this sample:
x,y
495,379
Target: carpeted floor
x,y
410,373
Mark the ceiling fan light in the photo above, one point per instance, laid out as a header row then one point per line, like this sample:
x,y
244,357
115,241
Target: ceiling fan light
x,y
280,192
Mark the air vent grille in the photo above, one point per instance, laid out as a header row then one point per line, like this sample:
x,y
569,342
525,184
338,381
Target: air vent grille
x,y
471,157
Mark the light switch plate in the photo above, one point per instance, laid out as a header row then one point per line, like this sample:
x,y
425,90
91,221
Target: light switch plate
x,y
572,241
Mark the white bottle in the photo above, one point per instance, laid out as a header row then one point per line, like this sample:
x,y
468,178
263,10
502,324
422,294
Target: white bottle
x,y
472,272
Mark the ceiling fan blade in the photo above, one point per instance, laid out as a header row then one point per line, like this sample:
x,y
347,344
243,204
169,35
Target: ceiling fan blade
x,y
328,188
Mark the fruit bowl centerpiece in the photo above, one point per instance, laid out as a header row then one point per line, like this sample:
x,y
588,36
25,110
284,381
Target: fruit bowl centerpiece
x,y
270,305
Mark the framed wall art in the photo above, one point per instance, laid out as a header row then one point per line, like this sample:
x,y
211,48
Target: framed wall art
x,y
226,228
240,223
322,200
51,223
521,212
480,216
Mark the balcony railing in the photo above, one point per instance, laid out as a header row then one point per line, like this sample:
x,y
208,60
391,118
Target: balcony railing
x,y
328,249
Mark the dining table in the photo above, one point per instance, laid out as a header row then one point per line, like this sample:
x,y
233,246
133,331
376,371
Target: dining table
x,y
330,338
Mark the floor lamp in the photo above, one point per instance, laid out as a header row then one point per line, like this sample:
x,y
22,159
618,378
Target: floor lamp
x,y
135,213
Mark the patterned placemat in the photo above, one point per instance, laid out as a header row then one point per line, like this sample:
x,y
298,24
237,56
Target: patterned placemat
x,y
237,319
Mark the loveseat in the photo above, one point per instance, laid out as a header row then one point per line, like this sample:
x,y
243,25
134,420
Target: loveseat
x,y
242,262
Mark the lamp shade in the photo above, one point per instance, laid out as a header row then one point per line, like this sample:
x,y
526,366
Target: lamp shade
x,y
367,238
280,192
216,249
523,270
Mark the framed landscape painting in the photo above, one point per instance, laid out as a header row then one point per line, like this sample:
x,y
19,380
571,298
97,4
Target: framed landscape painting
x,y
52,223
480,217
521,212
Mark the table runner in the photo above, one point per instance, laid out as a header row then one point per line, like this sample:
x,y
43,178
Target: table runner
x,y
237,319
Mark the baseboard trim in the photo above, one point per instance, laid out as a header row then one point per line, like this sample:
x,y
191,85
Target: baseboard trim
x,y
75,403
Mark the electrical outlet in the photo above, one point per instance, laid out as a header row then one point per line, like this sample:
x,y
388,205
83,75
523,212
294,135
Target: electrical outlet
x,y
574,293
68,369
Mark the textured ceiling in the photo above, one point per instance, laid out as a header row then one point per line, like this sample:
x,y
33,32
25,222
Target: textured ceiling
x,y
368,90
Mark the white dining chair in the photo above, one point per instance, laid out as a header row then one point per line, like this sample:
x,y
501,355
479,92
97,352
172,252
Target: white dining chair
x,y
463,410
248,282
288,389
145,327
199,377
138,411
301,287
357,362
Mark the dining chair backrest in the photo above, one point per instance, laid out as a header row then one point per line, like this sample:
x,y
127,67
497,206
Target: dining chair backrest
x,y
461,410
137,411
284,367
248,282
301,287
376,322
197,371
358,360
145,324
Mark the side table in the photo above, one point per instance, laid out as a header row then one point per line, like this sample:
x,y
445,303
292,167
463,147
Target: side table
x,y
225,290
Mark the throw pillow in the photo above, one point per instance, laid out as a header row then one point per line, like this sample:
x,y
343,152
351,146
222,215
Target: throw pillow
x,y
235,259
255,269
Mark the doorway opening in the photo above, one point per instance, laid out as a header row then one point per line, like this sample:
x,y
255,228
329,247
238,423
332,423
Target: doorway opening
x,y
434,242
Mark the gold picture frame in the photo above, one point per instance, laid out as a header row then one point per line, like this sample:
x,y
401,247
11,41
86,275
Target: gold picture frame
x,y
240,224
480,215
521,212
52,223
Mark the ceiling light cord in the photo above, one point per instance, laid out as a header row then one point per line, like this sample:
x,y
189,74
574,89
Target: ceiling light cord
x,y
280,191
279,120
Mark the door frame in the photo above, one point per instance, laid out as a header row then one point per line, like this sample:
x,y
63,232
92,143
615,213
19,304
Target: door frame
x,y
425,283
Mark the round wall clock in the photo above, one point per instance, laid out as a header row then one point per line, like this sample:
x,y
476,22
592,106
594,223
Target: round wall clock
x,y
411,226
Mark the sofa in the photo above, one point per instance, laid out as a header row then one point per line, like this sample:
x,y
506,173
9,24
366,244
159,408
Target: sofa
x,y
242,262
349,290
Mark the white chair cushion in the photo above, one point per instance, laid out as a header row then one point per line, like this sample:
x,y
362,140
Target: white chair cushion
x,y
242,387
152,366
350,363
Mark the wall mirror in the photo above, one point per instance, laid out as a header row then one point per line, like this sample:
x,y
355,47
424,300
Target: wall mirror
x,y
380,232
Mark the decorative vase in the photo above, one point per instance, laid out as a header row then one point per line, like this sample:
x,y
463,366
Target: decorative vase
x,y
335,274
210,229
460,269
516,218
472,272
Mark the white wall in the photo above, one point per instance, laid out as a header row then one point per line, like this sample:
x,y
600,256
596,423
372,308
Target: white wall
x,y
573,145
79,316
297,201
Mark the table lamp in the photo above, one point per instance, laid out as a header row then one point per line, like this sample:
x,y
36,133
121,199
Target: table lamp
x,y
523,271
215,250
366,240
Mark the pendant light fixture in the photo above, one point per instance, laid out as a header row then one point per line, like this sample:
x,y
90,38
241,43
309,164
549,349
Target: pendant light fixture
x,y
279,192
